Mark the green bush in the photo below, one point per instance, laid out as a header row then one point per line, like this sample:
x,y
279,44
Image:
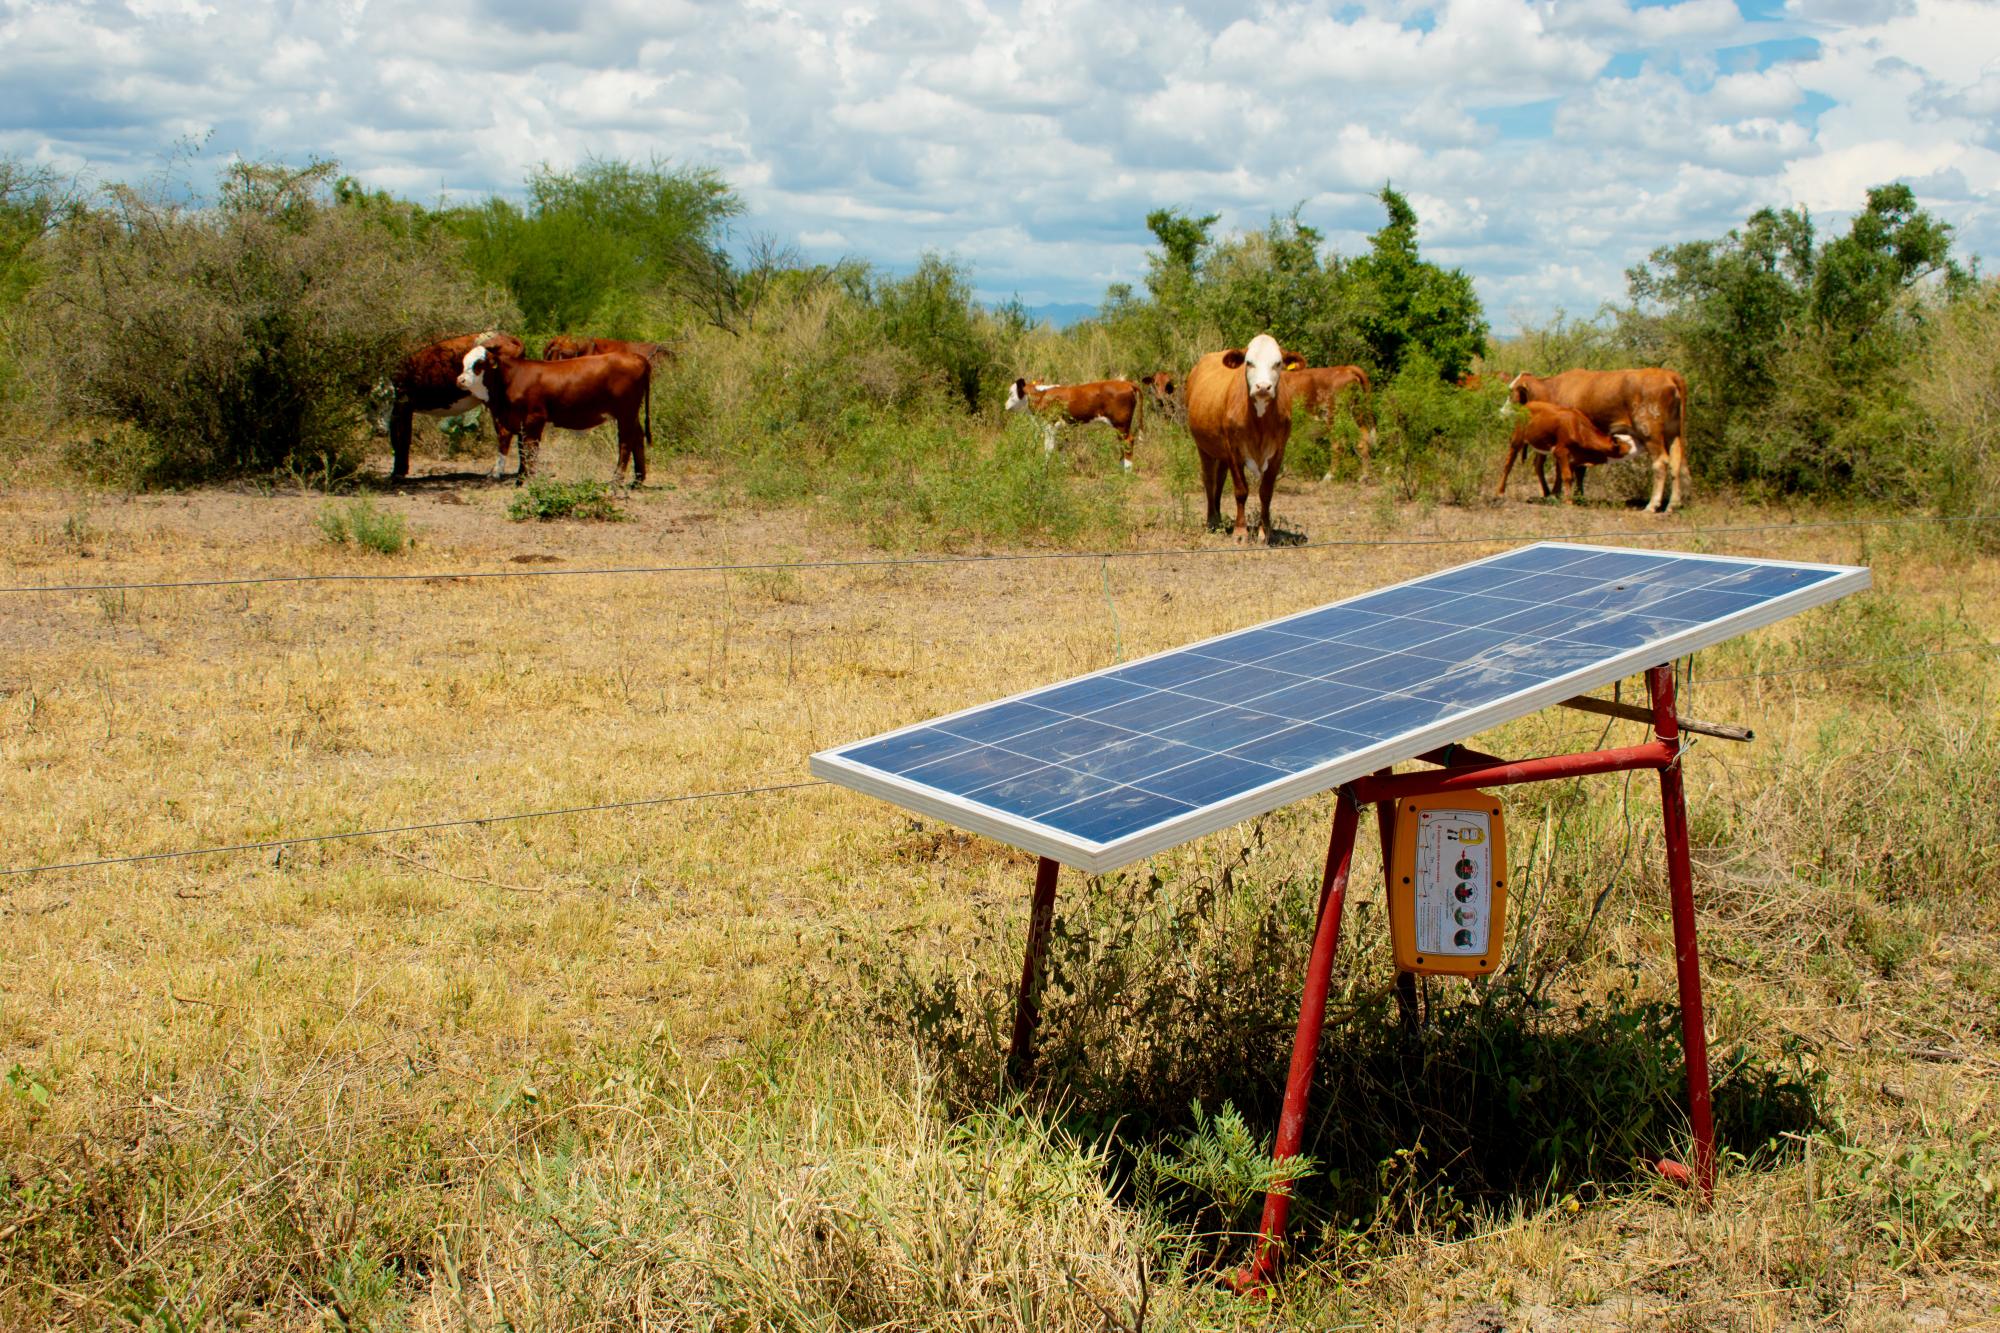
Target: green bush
x,y
242,335
1436,442
360,522
546,499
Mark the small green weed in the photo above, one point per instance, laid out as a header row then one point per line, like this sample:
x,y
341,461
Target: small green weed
x,y
360,522
544,499
1219,1165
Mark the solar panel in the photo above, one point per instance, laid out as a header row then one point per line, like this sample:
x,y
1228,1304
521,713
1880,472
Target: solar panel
x,y
1128,761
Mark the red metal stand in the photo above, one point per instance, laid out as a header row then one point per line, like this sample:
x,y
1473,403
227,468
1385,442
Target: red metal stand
x,y
1464,770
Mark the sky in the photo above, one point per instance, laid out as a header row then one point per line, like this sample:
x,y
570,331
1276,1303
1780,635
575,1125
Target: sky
x,y
1546,144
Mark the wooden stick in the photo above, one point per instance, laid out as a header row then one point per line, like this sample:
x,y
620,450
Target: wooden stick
x,y
1634,713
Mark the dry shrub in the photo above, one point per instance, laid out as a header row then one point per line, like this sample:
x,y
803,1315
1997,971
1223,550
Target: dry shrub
x,y
242,335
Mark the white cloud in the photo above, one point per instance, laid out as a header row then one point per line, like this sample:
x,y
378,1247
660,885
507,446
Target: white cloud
x,y
1032,138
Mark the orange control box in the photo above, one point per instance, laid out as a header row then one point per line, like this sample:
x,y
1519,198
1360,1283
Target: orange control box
x,y
1448,884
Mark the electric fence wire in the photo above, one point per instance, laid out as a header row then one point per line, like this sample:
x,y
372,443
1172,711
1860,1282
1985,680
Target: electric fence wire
x,y
1016,557
644,802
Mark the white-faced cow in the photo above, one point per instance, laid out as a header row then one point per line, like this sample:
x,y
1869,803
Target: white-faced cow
x,y
427,383
1241,418
1650,405
1569,437
526,397
1115,403
1317,389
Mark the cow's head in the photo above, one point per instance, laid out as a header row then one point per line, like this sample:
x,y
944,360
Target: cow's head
x,y
1261,363
480,365
1522,388
1017,395
1162,383
1622,444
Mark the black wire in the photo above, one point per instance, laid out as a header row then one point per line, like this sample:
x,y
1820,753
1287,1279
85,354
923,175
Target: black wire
x,y
890,562
277,843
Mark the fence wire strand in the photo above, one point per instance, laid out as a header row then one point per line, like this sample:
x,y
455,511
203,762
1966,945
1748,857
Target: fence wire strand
x,y
643,802
1016,557
278,844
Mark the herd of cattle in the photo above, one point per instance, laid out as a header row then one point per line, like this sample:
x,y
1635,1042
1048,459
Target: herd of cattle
x,y
1239,406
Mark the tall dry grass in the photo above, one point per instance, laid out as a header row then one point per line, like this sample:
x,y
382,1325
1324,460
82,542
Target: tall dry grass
x,y
630,1069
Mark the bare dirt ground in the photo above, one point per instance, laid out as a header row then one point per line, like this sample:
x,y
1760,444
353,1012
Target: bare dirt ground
x,y
389,984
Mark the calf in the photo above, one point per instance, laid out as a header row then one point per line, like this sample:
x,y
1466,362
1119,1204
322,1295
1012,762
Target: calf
x,y
1241,418
427,383
1568,436
525,397
1317,390
1112,402
1648,404
564,347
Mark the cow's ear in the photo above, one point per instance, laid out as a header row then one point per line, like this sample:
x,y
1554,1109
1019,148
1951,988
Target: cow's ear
x,y
1021,385
1292,361
1233,358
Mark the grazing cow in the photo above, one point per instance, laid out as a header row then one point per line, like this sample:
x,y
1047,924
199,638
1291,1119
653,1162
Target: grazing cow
x,y
1317,390
1650,405
564,347
427,382
1113,402
1568,436
525,397
1241,418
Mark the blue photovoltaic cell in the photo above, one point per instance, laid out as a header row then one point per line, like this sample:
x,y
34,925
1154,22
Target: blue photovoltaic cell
x,y
1131,759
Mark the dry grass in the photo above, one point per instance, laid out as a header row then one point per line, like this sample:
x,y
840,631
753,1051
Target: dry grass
x,y
608,1070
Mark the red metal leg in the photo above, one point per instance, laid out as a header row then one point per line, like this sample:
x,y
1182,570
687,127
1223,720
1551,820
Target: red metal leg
x,y
1028,1011
1687,959
1305,1046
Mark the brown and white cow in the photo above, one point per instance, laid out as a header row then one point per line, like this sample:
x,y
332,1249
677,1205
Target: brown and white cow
x,y
1317,389
1569,437
526,397
566,347
1112,402
1241,418
1648,404
427,383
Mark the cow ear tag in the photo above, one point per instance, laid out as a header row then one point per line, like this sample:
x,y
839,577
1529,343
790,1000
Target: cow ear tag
x,y
1448,884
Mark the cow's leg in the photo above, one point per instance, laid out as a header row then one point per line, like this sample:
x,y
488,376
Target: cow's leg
x,y
1506,469
531,448
401,421
1125,438
1267,484
1658,504
1241,485
1677,458
1542,471
632,445
1576,472
1211,484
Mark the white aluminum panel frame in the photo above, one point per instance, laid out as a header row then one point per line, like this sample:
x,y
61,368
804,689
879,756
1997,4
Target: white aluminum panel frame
x,y
1097,857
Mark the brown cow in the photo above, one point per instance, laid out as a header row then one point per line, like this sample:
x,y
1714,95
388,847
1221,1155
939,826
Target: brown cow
x,y
1113,402
1241,418
1649,404
525,397
427,382
564,347
1317,390
1159,387
1568,436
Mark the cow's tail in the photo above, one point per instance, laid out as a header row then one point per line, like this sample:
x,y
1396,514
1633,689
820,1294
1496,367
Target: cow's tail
x,y
646,432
